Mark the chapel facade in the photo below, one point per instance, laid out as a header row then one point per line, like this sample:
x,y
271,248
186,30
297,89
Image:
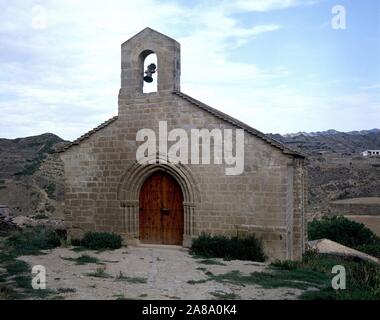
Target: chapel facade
x,y
159,199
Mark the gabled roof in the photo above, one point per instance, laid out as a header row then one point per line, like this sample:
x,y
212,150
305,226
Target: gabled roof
x,y
239,124
148,31
205,107
87,135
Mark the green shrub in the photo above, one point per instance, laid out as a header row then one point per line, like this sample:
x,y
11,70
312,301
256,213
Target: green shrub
x,y
371,249
101,240
365,274
83,259
247,248
343,231
31,168
286,265
122,277
17,272
75,242
50,190
16,267
99,273
363,277
28,242
40,216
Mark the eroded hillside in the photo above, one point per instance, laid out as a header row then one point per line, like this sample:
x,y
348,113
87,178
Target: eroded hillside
x,y
31,175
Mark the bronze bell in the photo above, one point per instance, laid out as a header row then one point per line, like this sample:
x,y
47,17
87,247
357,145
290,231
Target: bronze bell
x,y
149,72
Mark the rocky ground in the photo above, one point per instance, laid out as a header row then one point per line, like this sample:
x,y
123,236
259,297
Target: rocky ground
x,y
150,273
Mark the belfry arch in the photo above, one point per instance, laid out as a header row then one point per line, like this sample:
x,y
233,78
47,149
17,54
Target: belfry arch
x,y
147,57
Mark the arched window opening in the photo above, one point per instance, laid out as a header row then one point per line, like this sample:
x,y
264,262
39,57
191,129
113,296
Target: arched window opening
x,y
150,76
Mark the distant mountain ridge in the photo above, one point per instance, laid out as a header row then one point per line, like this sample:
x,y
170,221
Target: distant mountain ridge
x,y
332,141
328,132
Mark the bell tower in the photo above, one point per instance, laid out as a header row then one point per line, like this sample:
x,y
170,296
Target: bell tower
x,y
133,54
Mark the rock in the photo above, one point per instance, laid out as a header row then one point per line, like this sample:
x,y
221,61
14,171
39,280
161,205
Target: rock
x,y
327,246
7,226
24,222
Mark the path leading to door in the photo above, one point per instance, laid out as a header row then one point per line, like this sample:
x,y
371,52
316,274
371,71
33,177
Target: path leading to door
x,y
150,273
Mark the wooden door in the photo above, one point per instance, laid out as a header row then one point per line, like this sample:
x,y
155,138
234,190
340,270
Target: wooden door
x,y
161,210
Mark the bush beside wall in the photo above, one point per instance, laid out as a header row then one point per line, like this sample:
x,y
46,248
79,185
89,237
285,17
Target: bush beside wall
x,y
247,248
100,240
346,232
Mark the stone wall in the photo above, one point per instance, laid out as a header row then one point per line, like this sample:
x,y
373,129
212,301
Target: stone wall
x,y
267,199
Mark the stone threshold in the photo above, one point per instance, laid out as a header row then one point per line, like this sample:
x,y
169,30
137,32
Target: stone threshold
x,y
161,246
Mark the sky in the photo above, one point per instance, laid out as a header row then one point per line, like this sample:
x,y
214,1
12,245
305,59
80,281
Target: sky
x,y
281,66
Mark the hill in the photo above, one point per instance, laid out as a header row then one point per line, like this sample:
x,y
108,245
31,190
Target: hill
x,y
336,168
31,175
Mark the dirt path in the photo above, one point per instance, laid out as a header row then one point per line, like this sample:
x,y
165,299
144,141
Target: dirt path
x,y
149,273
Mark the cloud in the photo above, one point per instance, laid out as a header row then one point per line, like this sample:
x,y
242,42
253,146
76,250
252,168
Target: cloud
x,y
73,61
268,5
65,76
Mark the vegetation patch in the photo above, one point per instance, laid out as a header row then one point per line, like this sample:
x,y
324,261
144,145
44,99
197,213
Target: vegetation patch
x,y
371,249
32,241
211,262
66,290
15,267
19,285
269,280
122,277
40,216
99,273
197,281
17,279
50,190
100,241
313,275
346,232
84,259
363,278
32,167
224,296
246,248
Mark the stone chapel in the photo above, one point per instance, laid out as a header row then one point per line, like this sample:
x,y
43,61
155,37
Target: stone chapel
x,y
160,201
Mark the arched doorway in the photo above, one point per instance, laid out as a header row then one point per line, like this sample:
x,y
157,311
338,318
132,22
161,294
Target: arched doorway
x,y
161,214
